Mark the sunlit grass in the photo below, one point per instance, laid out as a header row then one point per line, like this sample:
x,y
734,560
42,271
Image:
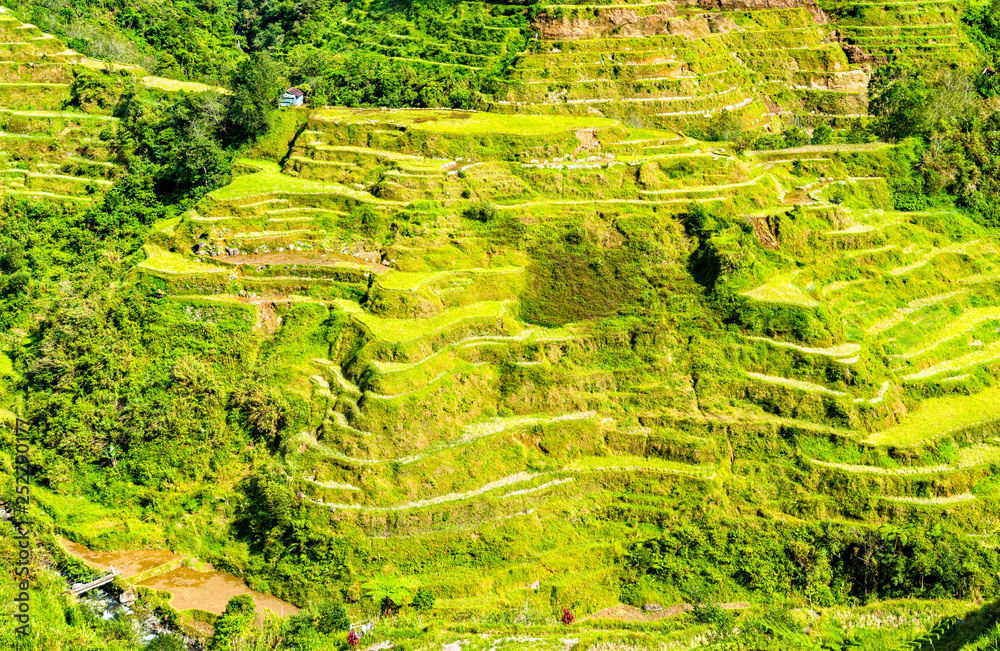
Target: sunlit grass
x,y
470,123
938,416
402,330
158,259
781,290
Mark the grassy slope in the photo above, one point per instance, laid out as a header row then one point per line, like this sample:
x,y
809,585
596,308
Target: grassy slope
x,y
510,452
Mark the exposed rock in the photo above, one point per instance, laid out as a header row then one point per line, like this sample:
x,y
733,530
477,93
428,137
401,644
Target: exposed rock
x,y
694,28
535,586
652,608
855,54
756,5
613,20
369,256
848,80
588,141
127,598
721,24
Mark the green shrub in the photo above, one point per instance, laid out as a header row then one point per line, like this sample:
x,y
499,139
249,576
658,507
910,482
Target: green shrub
x,y
822,134
908,193
481,212
423,599
90,89
794,137
331,616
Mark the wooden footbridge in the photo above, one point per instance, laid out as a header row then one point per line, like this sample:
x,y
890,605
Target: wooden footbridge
x,y
94,581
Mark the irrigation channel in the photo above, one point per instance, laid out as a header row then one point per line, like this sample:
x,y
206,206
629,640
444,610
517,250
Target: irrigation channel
x,y
208,590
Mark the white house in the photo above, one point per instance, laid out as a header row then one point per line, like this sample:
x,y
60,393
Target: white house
x,y
292,97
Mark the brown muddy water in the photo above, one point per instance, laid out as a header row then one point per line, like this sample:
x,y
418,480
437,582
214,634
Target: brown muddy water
x,y
190,589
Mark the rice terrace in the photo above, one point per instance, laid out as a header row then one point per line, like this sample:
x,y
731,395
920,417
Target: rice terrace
x,y
463,326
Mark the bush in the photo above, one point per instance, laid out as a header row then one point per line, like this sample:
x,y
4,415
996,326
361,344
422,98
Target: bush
x,y
567,617
233,624
794,137
822,134
726,125
770,141
89,89
331,616
707,611
169,642
481,212
423,600
908,194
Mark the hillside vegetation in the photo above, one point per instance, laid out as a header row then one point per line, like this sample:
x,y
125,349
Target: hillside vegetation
x,y
687,337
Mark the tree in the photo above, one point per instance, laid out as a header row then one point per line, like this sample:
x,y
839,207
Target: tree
x,y
480,212
953,103
897,96
300,633
255,94
794,137
169,642
233,625
89,89
331,616
725,125
822,134
389,593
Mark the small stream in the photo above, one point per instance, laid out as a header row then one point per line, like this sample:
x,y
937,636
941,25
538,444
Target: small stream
x,y
210,590
107,608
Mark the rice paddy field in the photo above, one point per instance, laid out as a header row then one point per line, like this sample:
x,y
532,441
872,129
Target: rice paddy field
x,y
566,343
483,375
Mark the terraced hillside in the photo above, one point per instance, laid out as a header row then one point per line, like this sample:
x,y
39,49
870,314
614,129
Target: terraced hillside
x,y
48,148
666,65
483,373
560,354
46,151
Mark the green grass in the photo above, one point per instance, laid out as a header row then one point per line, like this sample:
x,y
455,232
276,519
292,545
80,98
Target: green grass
x,y
399,280
629,462
270,180
939,416
6,365
403,330
780,289
163,261
794,384
966,321
176,86
471,123
96,526
988,353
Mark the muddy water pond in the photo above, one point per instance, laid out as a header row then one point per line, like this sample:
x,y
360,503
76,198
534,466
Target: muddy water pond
x,y
209,590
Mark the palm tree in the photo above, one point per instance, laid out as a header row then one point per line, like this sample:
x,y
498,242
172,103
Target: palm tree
x,y
389,593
